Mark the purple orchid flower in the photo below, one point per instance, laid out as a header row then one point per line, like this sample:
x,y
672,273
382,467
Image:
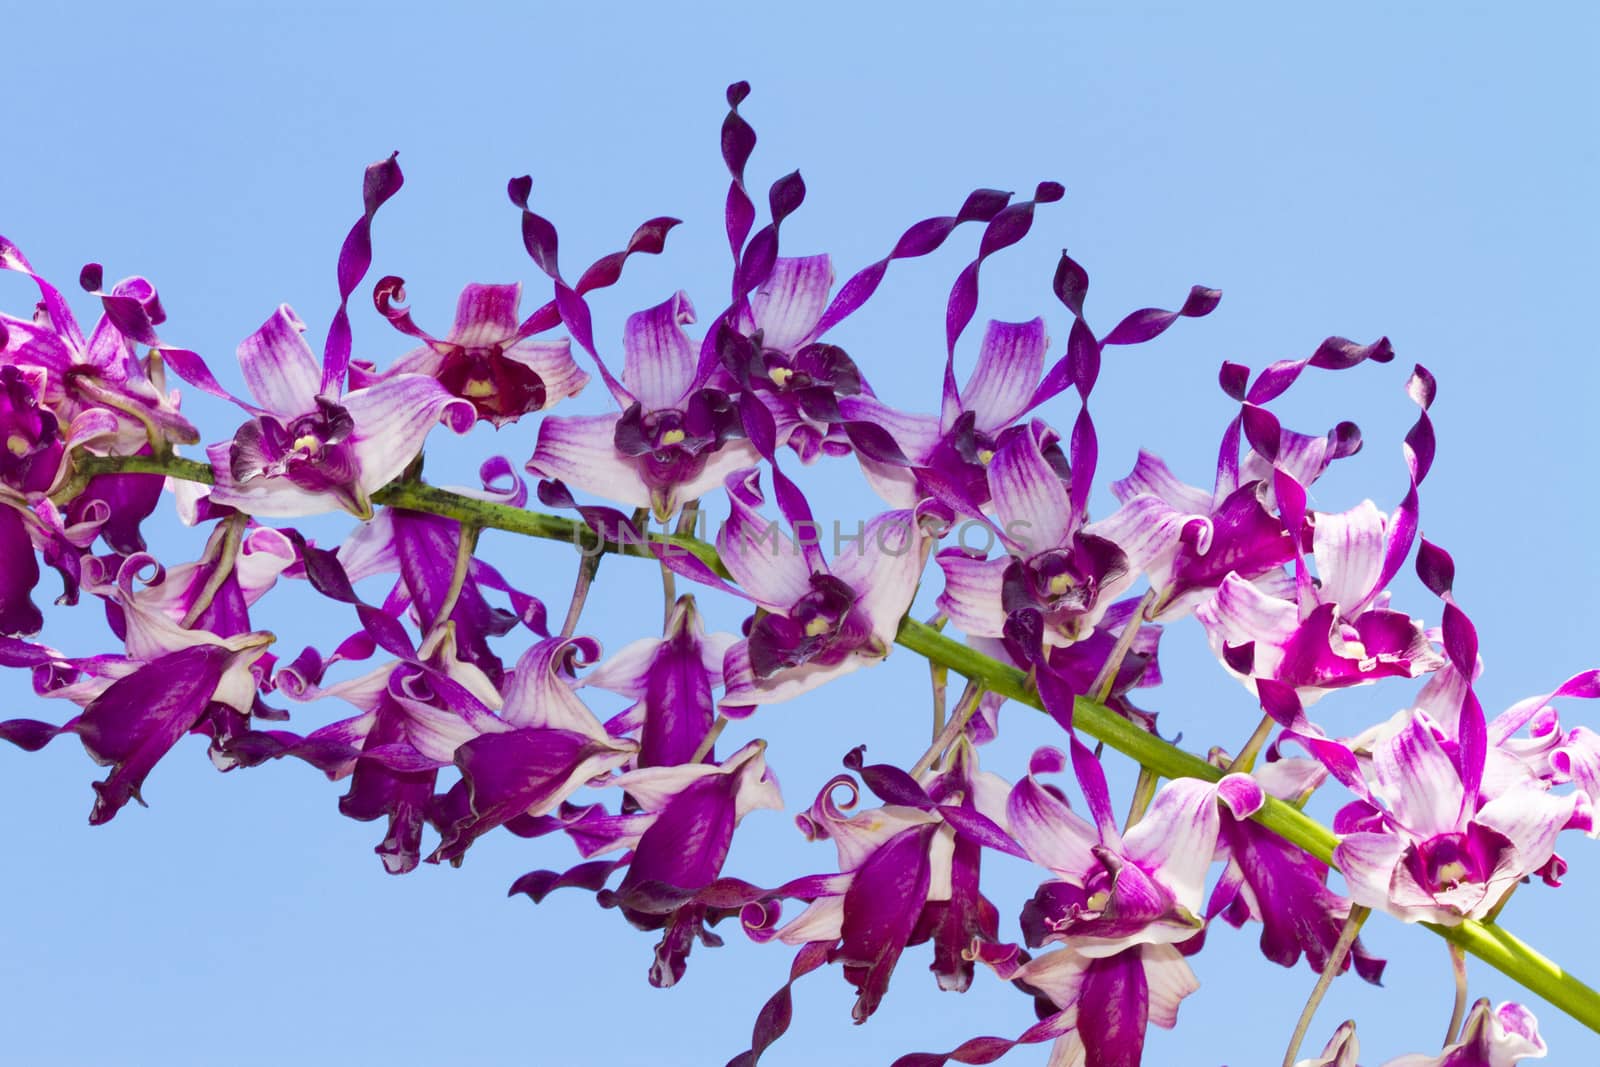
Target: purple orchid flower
x,y
191,664
677,437
799,379
1340,1051
1424,845
677,841
1061,574
1122,904
1282,886
908,873
671,678
310,449
816,620
487,358
1332,633
99,376
1500,1037
553,746
959,443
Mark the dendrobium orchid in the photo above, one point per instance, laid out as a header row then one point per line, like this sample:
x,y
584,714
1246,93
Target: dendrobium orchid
x,y
815,619
310,449
671,679
1423,844
1499,1037
677,437
1327,634
1061,574
486,359
959,444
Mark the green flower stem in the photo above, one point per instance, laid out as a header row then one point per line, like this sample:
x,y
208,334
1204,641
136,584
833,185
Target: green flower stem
x,y
1489,942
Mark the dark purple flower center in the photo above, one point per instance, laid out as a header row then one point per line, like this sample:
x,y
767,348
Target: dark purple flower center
x,y
1063,583
823,627
313,450
672,445
500,389
1448,861
31,434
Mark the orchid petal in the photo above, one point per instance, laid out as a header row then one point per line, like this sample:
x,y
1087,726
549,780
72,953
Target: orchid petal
x,y
1010,364
582,452
659,361
279,366
787,306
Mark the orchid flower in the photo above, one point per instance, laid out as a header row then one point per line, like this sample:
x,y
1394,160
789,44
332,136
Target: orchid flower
x,y
1505,1036
671,678
1332,633
816,620
310,449
909,873
1061,573
959,443
677,437
798,378
1121,904
677,841
550,746
100,377
1284,888
1424,845
486,359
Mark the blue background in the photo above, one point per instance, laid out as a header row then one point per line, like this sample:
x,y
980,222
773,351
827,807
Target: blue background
x,y
1428,177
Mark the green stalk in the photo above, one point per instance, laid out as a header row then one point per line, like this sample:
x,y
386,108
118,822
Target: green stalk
x,y
1489,942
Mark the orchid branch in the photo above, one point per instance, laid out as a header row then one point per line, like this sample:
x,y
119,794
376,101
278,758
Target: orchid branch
x,y
1489,942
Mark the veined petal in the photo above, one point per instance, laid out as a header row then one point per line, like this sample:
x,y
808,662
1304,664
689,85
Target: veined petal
x,y
552,362
788,304
1241,613
883,568
1530,818
538,696
972,592
393,418
659,361
279,367
1177,837
486,314
917,435
1010,364
1051,833
1367,861
1169,979
1033,505
1349,549
582,452
1416,777
763,559
1151,475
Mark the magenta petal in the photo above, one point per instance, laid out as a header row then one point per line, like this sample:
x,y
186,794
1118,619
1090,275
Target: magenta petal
x,y
1010,364
18,615
141,716
393,418
880,911
1113,1009
788,304
279,367
972,592
582,452
486,315
659,361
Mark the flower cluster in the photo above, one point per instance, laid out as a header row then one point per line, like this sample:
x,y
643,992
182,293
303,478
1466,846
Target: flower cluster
x,y
465,711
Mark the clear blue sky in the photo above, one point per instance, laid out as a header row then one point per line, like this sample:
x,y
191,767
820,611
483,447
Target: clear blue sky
x,y
1429,178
